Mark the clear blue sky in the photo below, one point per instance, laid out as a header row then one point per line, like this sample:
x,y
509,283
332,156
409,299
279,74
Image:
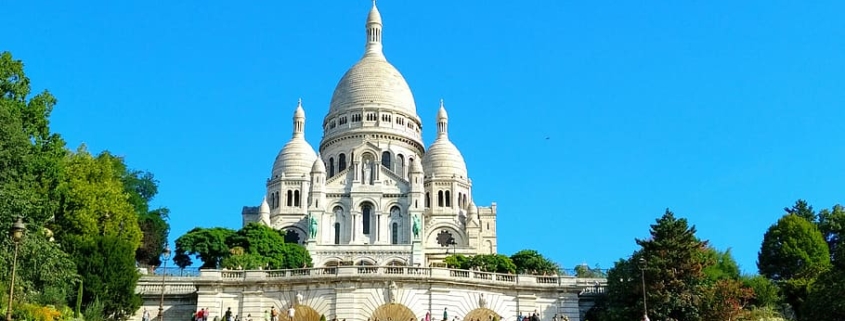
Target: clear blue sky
x,y
723,111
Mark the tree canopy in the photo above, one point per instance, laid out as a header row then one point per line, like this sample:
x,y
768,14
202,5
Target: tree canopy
x,y
253,246
71,202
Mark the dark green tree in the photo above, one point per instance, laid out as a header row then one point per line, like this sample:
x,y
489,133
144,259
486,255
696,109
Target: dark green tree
x,y
207,244
825,300
261,241
832,226
766,292
585,271
107,266
802,209
531,261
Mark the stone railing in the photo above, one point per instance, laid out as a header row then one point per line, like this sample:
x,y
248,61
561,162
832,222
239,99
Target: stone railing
x,y
378,272
171,287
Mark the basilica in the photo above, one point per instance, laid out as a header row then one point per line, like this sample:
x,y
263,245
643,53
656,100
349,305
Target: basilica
x,y
372,194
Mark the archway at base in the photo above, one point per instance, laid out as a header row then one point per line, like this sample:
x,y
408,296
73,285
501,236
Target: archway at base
x,y
303,313
482,314
394,312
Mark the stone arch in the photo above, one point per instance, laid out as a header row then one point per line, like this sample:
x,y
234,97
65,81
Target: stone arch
x,y
303,313
482,314
393,311
395,261
332,261
295,228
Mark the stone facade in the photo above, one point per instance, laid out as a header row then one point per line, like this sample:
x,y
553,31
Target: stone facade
x,y
362,293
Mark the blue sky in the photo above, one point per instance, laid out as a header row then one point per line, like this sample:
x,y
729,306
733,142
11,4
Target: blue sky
x,y
582,120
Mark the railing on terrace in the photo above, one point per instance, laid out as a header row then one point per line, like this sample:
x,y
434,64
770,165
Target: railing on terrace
x,y
195,272
592,285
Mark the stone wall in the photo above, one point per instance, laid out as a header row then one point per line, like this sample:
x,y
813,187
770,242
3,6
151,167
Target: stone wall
x,y
357,293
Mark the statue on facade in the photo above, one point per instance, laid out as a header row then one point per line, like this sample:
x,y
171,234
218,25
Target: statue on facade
x,y
391,292
312,226
416,227
367,171
298,297
482,302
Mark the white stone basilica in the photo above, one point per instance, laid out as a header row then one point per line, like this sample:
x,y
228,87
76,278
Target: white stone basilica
x,y
374,195
377,212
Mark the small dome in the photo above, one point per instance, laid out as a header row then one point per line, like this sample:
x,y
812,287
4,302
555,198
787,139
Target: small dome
x,y
374,16
472,208
443,160
319,166
295,159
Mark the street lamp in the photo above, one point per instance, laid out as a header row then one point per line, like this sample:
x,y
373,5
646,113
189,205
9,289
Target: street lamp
x,y
166,255
17,234
642,265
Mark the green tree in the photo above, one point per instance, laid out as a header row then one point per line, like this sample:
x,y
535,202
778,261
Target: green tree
x,y
457,261
31,159
825,300
262,241
832,225
498,263
531,261
802,209
725,267
207,244
766,292
107,266
141,187
676,285
793,253
93,201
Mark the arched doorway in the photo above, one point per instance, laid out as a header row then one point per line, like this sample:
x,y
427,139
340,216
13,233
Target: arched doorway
x,y
303,313
393,311
482,314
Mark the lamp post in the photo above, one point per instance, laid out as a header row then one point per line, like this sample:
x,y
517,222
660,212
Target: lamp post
x,y
642,265
17,234
166,255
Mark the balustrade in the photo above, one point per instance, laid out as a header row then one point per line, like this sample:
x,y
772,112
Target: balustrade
x,y
152,284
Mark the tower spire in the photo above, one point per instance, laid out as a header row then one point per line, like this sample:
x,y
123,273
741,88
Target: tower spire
x,y
442,121
299,120
374,27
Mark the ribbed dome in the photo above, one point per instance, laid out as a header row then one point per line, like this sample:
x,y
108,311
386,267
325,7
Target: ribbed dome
x,y
297,156
295,159
373,82
443,160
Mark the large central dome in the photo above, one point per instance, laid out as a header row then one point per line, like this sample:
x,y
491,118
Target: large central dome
x,y
373,82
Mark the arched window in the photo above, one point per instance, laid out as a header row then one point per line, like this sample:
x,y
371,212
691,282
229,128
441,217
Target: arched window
x,y
366,211
341,162
427,200
336,233
439,198
400,165
297,198
448,199
394,233
385,159
331,166
289,200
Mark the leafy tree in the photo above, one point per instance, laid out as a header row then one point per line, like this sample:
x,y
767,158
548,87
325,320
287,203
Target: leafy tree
x,y
766,292
793,253
792,248
264,245
825,300
141,187
93,201
531,261
107,266
497,263
207,244
725,267
832,225
726,299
